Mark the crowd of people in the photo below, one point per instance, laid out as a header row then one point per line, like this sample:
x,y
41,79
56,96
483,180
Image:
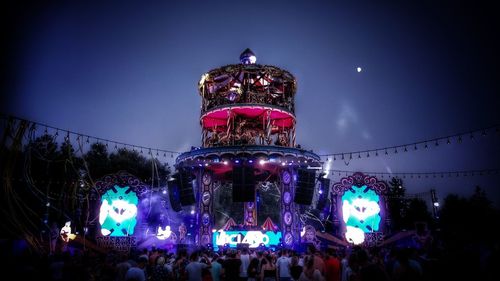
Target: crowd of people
x,y
155,264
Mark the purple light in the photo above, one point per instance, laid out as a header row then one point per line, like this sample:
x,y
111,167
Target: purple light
x,y
164,191
250,161
320,191
236,161
192,212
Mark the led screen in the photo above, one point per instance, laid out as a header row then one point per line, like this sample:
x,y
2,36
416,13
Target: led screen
x,y
360,212
118,212
252,238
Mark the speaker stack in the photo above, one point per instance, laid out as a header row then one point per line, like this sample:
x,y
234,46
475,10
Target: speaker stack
x,y
304,191
243,184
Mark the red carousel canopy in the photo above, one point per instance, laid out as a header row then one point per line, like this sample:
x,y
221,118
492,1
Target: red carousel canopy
x,y
219,117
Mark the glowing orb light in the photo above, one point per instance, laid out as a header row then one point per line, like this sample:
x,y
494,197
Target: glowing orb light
x,y
359,69
354,235
118,211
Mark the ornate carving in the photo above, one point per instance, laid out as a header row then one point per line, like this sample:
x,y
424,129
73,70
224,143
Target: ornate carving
x,y
359,179
121,178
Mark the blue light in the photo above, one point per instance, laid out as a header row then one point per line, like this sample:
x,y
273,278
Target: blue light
x,y
253,238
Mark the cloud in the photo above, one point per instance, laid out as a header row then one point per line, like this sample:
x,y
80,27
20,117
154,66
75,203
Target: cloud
x,y
346,118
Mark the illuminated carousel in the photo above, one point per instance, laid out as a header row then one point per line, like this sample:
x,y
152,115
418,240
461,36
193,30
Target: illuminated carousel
x,y
248,141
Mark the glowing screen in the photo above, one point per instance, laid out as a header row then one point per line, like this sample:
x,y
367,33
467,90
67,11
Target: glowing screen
x,y
253,238
118,211
361,213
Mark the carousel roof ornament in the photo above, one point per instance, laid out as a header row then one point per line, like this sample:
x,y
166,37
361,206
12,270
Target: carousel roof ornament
x,y
268,225
248,57
229,223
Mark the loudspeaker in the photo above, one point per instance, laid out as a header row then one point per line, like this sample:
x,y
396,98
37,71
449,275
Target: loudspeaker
x,y
304,191
243,184
174,195
323,196
185,180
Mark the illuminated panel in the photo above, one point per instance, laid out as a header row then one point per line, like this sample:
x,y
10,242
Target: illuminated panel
x,y
163,234
360,212
252,238
65,233
118,211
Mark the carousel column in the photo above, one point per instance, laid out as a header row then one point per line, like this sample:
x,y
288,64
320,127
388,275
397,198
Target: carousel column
x,y
335,198
250,213
205,215
288,215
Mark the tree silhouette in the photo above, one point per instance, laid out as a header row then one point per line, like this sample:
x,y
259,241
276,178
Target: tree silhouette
x,y
397,203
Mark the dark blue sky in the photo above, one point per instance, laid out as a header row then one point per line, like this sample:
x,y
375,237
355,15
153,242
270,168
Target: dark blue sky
x,y
129,72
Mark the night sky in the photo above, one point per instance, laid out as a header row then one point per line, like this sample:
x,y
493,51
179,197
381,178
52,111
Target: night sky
x,y
129,72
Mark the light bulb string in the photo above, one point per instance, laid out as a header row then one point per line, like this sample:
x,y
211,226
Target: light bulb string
x,y
89,137
412,145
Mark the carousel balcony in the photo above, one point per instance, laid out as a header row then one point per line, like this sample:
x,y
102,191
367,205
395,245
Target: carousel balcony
x,y
247,84
222,159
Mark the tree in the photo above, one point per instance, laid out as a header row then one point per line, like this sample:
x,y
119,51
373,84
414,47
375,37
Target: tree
x,y
397,203
98,161
417,211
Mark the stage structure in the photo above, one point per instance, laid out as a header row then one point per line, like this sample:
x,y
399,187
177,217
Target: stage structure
x,y
359,209
248,138
132,214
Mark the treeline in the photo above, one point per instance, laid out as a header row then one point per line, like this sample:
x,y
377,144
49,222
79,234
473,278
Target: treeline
x,y
44,181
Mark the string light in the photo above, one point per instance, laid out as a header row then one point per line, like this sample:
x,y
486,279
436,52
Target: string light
x,y
81,136
482,131
425,174
436,141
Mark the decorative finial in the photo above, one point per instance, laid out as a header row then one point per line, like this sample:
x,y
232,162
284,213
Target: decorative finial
x,y
248,57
